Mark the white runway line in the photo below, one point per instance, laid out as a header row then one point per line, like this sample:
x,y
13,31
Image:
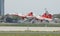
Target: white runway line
x,y
9,28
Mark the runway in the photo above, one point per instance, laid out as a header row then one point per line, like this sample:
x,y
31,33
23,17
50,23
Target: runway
x,y
17,28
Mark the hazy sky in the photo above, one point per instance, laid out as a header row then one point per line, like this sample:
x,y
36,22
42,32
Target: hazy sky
x,y
36,6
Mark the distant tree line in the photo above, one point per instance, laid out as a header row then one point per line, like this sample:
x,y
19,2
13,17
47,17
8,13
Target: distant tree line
x,y
56,16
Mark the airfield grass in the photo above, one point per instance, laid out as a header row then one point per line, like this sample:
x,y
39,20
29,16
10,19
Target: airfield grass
x,y
29,34
31,25
17,34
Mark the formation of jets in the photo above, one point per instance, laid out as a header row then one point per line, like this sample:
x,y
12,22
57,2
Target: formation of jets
x,y
44,17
